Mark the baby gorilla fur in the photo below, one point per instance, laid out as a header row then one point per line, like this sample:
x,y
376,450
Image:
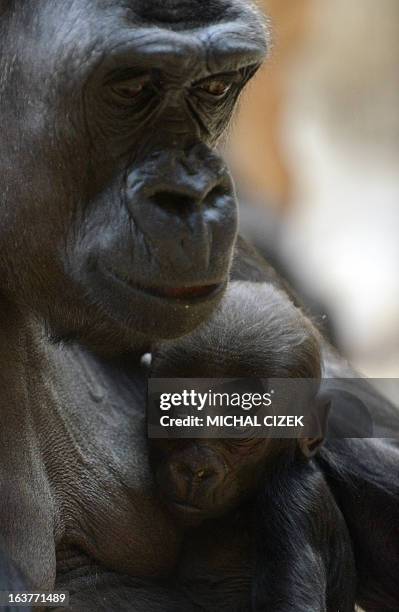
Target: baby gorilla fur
x,y
259,333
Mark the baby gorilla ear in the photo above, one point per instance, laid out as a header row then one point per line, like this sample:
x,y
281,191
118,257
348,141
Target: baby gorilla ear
x,y
310,446
317,425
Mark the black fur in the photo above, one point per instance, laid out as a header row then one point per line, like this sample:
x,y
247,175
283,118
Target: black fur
x,y
362,472
302,545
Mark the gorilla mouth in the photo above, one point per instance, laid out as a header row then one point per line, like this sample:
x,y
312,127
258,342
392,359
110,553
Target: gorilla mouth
x,y
185,507
184,293
194,293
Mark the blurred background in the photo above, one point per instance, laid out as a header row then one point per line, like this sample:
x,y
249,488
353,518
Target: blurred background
x,y
315,151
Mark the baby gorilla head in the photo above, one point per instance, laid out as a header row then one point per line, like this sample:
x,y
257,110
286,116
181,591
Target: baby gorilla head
x,y
256,333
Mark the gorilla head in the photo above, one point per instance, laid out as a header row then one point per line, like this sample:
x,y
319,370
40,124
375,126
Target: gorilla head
x,y
118,218
256,333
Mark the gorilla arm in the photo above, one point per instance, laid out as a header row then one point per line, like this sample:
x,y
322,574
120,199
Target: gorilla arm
x,y
361,454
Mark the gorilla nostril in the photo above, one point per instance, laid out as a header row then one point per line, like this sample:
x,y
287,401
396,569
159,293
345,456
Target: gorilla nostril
x,y
177,202
219,191
174,203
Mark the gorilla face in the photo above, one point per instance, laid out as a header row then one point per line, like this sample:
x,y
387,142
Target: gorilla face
x,y
205,479
118,217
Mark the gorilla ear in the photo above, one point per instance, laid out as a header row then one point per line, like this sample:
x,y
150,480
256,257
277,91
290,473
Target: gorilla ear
x,y
310,446
318,420
355,410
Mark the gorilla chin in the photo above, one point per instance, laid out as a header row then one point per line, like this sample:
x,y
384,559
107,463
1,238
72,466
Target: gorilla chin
x,y
155,312
190,516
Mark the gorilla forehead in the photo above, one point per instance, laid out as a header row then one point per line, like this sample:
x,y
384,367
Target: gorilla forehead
x,y
94,26
187,14
176,12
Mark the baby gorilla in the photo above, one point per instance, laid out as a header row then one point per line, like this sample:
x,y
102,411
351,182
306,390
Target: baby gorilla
x,y
303,554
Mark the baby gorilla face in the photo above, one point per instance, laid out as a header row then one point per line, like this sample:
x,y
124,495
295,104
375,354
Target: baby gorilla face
x,y
203,479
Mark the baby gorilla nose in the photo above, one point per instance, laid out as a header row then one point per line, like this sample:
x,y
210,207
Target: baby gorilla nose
x,y
191,479
193,474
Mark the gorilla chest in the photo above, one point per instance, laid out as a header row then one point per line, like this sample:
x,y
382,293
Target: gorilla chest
x,y
107,504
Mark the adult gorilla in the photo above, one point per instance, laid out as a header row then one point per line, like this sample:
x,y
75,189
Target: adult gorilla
x,y
118,224
118,218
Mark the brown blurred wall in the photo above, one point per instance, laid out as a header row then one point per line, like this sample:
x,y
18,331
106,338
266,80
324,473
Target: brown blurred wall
x,y
258,160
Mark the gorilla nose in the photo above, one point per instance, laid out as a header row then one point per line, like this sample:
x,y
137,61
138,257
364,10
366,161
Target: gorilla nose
x,y
191,472
178,197
184,205
191,480
181,180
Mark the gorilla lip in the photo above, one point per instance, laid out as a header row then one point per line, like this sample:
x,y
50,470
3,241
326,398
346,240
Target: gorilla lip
x,y
184,507
193,293
184,293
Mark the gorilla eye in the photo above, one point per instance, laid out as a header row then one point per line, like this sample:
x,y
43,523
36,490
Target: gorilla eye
x,y
131,88
216,87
